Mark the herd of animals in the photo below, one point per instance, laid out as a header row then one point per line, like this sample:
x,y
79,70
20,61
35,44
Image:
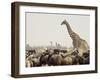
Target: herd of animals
x,y
55,57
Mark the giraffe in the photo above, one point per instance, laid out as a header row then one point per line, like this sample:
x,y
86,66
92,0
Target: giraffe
x,y
78,43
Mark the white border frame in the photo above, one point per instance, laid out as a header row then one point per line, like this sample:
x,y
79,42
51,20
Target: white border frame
x,y
72,68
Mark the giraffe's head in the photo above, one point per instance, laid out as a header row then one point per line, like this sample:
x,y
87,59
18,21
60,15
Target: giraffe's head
x,y
64,22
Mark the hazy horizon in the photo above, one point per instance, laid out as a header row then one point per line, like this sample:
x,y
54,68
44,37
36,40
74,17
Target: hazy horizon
x,y
41,29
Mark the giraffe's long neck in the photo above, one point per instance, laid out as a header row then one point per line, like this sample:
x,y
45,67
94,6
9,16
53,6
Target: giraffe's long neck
x,y
72,34
70,31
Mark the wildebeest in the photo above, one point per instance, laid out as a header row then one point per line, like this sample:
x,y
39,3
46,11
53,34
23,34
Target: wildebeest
x,y
85,59
36,62
44,58
32,62
32,59
70,59
56,57
59,59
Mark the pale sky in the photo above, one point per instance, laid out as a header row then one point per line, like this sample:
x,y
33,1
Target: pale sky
x,y
42,28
